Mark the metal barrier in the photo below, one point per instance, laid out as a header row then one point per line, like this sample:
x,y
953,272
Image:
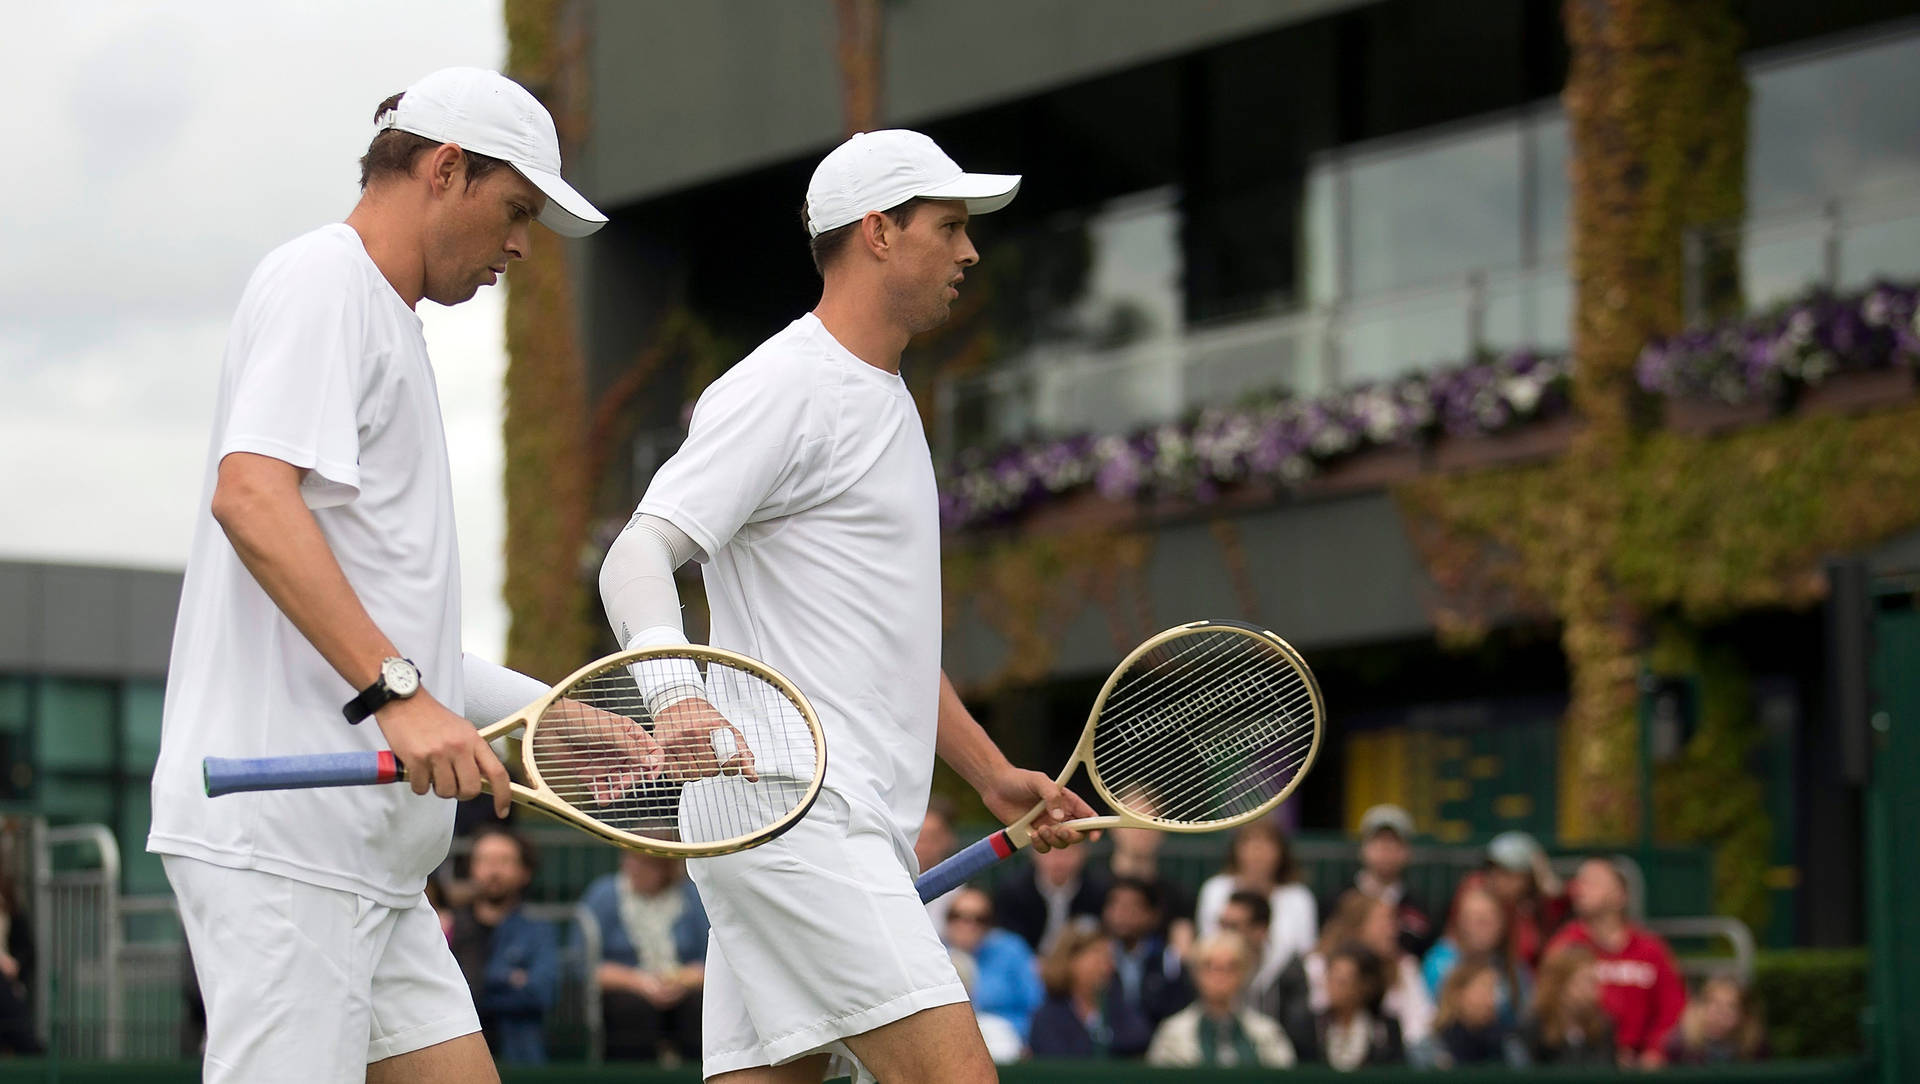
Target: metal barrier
x,y
79,998
1710,929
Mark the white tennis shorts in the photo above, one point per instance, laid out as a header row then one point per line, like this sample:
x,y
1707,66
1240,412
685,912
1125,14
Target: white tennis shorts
x,y
312,984
816,936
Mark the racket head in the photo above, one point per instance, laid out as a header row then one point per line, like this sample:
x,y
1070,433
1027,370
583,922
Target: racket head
x,y
1203,727
592,752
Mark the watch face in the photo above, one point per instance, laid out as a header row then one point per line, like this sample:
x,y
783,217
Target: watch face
x,y
402,677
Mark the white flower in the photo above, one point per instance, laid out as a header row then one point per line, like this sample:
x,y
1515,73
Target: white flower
x,y
1523,392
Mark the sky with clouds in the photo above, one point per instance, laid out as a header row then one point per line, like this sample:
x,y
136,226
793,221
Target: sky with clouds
x,y
171,147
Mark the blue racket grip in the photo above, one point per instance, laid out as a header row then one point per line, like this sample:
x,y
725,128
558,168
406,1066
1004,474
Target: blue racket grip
x,y
976,859
225,775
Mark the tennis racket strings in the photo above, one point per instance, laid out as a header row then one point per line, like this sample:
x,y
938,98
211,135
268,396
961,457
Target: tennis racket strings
x,y
718,753
1206,726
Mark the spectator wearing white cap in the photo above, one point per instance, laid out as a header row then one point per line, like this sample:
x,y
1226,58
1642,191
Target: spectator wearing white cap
x,y
1385,834
324,581
806,488
1534,900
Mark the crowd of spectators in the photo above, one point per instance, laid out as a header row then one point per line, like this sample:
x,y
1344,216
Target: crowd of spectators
x,y
1064,958
1517,968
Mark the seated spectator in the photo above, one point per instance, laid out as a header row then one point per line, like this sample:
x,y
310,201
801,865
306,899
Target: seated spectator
x,y
1386,832
1468,1023
1260,859
1136,854
1639,985
1040,905
1006,983
1080,1018
1215,1030
511,962
933,845
1398,986
653,953
1149,980
1347,1033
1532,897
1569,1026
17,953
1246,915
1478,933
1405,998
1720,1027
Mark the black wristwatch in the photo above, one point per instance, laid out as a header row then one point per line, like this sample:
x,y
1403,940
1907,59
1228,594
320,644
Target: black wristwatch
x,y
399,679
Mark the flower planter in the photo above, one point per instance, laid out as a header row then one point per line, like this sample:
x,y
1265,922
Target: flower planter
x,y
1858,391
1375,468
1528,442
1079,513
1705,417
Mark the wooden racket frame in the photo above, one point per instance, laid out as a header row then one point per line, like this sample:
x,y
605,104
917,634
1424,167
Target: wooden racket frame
x,y
537,794
1020,832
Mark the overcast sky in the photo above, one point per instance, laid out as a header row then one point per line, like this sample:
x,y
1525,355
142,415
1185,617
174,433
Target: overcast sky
x,y
158,151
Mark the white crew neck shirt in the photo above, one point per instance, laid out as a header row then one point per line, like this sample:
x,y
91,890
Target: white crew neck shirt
x,y
806,482
326,369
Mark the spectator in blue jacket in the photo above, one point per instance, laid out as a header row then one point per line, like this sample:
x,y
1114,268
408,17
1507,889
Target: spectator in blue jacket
x,y
1006,979
653,957
511,961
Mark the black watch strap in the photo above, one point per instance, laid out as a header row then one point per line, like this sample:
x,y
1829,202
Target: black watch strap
x,y
379,694
371,699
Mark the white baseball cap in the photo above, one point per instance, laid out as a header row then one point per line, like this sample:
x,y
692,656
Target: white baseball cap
x,y
877,171
487,113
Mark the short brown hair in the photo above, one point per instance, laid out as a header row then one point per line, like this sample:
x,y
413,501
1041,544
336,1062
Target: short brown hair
x,y
529,857
827,246
394,152
1056,968
1287,871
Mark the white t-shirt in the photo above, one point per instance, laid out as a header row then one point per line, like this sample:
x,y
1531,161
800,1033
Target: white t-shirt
x,y
806,482
325,369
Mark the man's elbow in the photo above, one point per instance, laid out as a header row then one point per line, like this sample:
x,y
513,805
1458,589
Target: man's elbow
x,y
246,488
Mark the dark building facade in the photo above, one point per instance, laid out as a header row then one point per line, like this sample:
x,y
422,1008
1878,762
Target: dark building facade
x,y
1226,200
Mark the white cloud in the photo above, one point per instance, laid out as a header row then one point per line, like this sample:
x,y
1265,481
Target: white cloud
x,y
173,146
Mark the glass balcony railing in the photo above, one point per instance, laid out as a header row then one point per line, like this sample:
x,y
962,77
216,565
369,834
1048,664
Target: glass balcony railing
x,y
1842,244
1061,389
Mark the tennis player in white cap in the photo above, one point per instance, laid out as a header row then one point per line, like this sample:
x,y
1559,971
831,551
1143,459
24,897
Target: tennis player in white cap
x,y
323,589
806,488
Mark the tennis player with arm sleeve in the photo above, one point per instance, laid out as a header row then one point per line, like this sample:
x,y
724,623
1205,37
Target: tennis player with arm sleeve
x,y
323,591
806,489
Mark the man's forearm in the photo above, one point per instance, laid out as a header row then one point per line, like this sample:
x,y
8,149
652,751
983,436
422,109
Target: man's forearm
x,y
257,502
963,743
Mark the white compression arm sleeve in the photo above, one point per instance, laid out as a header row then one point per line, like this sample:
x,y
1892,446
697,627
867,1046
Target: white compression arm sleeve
x,y
643,602
495,692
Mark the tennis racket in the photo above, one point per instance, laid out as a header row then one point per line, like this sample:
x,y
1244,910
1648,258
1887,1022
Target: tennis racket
x,y
685,751
1203,727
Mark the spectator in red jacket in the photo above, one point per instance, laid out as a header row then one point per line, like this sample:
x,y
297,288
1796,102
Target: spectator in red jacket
x,y
1639,986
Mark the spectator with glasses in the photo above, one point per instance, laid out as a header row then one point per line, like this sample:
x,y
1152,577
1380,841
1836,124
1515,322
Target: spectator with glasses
x,y
1006,983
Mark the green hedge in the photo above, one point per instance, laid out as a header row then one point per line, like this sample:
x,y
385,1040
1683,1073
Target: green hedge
x,y
1814,1000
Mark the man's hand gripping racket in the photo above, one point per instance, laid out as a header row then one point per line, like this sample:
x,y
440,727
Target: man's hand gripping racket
x,y
683,751
1204,727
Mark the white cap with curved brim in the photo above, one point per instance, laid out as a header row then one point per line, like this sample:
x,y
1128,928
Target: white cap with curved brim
x,y
487,113
878,171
